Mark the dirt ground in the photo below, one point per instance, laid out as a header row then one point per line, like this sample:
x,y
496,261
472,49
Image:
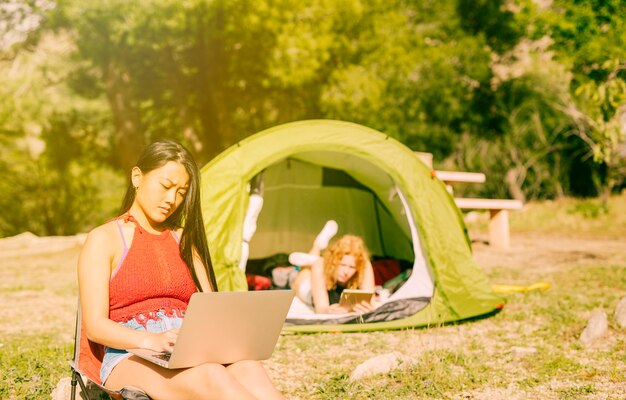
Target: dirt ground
x,y
539,254
39,274
530,252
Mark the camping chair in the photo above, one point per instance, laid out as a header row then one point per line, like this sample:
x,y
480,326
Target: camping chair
x,y
90,389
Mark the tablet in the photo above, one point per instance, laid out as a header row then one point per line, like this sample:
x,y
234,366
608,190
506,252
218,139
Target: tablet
x,y
351,297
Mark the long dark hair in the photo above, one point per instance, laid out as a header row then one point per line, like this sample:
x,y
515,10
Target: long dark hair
x,y
188,214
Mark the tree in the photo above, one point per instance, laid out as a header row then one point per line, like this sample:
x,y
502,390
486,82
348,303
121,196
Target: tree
x,y
529,154
490,85
21,20
53,149
411,75
599,112
591,36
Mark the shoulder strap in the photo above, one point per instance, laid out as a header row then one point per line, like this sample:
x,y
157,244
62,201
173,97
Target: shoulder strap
x,y
119,227
125,253
175,236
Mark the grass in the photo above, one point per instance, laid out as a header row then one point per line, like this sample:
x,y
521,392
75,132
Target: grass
x,y
528,350
32,365
574,217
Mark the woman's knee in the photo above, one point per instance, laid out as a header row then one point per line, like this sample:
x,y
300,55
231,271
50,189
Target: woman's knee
x,y
247,369
216,376
210,380
213,371
254,377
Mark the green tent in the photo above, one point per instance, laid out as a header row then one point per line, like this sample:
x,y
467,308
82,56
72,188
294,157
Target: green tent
x,y
309,172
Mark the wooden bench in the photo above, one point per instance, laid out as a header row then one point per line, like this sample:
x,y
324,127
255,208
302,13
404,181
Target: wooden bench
x,y
457,176
451,176
499,233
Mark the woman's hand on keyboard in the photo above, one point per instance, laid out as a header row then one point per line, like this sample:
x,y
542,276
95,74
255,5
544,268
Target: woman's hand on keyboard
x,y
161,342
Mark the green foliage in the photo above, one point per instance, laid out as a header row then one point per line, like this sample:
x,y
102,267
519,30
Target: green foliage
x,y
586,34
21,22
529,156
493,20
605,106
589,209
414,78
591,36
56,198
218,72
601,123
484,85
48,201
55,152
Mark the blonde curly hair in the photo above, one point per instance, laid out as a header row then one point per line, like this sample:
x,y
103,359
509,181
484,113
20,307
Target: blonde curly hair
x,y
345,245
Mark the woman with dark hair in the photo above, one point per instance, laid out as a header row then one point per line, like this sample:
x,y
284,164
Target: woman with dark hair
x,y
136,274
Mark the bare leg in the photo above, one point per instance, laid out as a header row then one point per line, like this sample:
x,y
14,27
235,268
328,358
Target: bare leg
x,y
303,275
315,250
253,377
321,240
306,260
206,381
305,271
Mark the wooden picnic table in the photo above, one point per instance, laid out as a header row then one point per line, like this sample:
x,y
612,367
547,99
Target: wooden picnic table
x,y
499,232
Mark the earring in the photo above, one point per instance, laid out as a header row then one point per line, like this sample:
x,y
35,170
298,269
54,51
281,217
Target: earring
x,y
136,187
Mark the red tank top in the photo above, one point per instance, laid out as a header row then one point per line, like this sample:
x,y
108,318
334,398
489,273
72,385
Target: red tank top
x,y
151,277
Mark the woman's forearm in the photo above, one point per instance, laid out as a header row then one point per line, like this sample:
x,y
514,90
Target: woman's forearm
x,y
111,334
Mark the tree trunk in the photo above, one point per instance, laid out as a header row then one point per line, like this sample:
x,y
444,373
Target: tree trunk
x,y
129,135
515,188
609,182
182,91
217,131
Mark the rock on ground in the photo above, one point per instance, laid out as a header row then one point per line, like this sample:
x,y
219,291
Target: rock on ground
x,y
381,364
596,327
620,313
63,390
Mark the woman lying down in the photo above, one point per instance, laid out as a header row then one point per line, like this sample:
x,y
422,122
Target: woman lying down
x,y
344,266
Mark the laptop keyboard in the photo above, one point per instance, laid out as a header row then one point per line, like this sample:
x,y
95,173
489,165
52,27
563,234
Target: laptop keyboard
x,y
163,356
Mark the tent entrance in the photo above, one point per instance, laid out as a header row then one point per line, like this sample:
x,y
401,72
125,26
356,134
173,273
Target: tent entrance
x,y
302,192
405,213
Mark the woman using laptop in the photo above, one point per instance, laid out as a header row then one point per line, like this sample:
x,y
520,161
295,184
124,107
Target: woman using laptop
x,y
136,274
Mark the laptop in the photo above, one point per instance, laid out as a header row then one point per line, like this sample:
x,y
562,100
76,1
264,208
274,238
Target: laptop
x,y
226,327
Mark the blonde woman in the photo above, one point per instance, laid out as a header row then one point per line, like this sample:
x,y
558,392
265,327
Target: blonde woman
x,y
344,265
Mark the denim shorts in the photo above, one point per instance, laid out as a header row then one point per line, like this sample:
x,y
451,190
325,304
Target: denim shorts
x,y
112,357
